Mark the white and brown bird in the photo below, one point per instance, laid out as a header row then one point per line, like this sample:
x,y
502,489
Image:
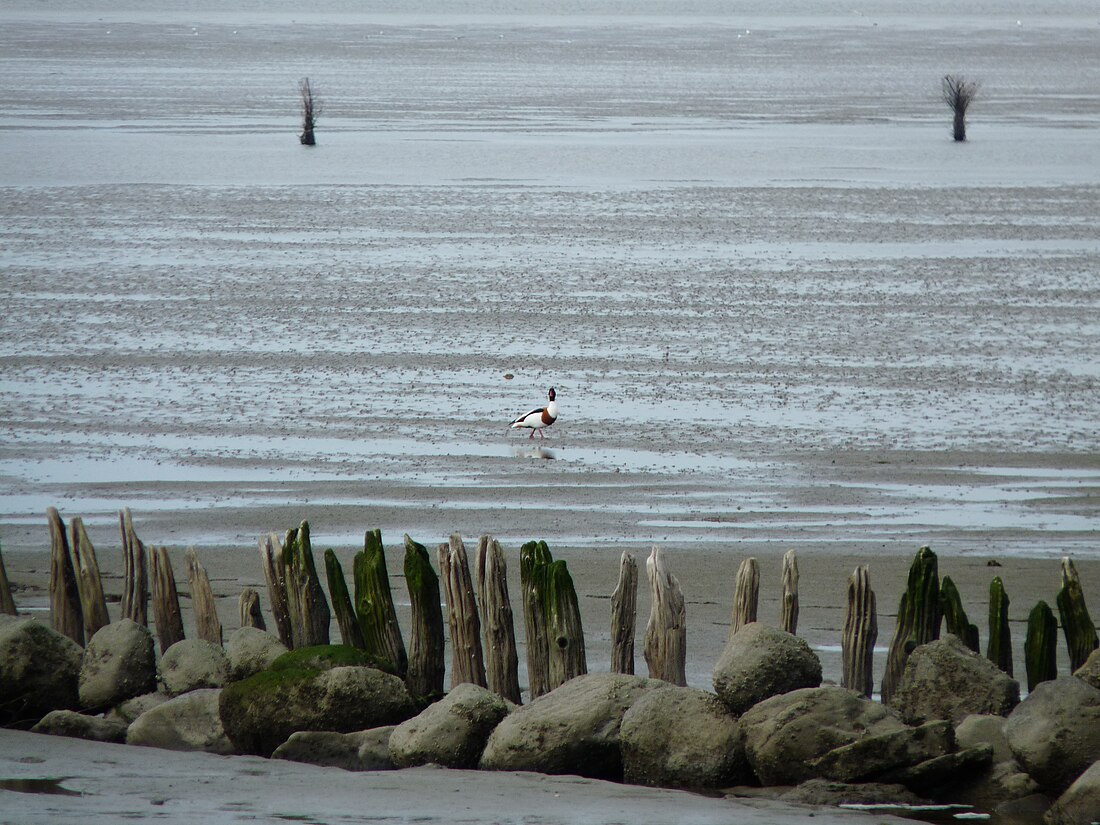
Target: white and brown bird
x,y
540,417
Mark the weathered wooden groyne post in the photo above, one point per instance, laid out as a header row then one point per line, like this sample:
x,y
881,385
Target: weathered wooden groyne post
x,y
166,600
7,603
746,595
954,616
788,606
250,613
999,648
93,604
65,611
918,620
1041,646
532,556
860,634
497,623
665,645
306,604
565,635
207,625
271,555
374,605
350,632
624,611
135,572
1077,625
467,659
427,665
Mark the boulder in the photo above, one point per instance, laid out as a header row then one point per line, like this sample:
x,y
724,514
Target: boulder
x,y
79,726
822,792
936,778
451,732
250,650
946,680
1090,670
193,664
39,671
1002,782
131,709
1055,732
872,756
191,722
760,661
119,663
573,729
261,712
367,750
984,729
785,734
679,737
1080,802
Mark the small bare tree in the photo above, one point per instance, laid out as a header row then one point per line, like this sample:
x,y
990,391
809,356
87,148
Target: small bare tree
x,y
311,110
958,94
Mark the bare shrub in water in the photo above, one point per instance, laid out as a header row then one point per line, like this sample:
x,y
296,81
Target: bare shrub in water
x,y
958,94
311,110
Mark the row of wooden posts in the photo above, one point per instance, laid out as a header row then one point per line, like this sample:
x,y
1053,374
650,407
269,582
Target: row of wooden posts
x,y
480,618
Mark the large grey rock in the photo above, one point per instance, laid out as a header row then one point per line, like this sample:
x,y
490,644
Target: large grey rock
x,y
1002,782
191,722
1081,801
193,664
678,737
261,712
984,729
936,778
79,726
1055,732
119,663
451,732
946,680
785,734
367,750
39,671
126,712
760,661
872,756
251,650
573,729
1090,670
822,792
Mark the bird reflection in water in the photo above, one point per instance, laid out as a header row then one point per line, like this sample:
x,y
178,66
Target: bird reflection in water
x,y
535,452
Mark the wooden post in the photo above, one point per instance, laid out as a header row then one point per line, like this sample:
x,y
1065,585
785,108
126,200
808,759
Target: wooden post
x,y
374,605
918,619
1077,625
788,608
250,613
207,626
624,611
135,574
497,625
467,661
1041,646
999,648
89,584
567,657
271,555
309,614
954,616
65,611
427,665
166,600
532,556
665,643
746,595
346,620
7,603
860,634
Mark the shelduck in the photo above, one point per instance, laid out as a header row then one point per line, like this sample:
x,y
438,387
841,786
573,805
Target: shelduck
x,y
539,418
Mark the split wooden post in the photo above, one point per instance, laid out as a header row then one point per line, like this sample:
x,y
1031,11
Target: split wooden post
x,y
788,608
860,634
7,603
999,647
497,623
918,619
532,556
346,620
746,595
166,600
135,572
624,611
374,605
665,645
271,555
467,659
250,613
1077,625
427,662
1041,646
93,604
565,634
955,619
65,612
306,604
207,625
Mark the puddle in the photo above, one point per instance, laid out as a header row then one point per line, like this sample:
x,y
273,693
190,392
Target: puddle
x,y
39,786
